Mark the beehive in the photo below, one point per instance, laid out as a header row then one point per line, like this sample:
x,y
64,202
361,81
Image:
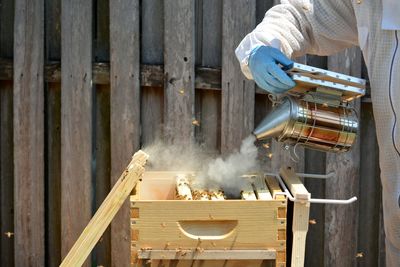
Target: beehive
x,y
244,232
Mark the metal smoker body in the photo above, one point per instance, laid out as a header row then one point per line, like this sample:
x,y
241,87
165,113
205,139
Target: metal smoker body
x,y
315,113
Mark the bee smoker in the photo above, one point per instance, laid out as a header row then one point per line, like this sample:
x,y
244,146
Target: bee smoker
x,y
316,112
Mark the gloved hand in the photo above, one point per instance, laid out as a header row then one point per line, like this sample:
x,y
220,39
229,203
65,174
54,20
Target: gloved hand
x,y
263,64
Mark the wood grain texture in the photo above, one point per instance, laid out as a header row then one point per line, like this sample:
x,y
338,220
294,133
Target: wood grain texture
x,y
6,138
28,118
103,167
370,191
125,110
314,162
107,211
76,120
53,137
152,38
6,174
179,71
237,113
341,220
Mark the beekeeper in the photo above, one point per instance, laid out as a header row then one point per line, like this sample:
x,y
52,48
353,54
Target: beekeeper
x,y
323,27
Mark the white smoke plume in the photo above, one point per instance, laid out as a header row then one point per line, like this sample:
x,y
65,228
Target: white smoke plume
x,y
212,173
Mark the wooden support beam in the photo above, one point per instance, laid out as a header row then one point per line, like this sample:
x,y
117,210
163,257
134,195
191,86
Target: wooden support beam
x,y
29,133
301,213
106,212
76,120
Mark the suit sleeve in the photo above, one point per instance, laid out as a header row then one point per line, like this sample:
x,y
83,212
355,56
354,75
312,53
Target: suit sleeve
x,y
299,27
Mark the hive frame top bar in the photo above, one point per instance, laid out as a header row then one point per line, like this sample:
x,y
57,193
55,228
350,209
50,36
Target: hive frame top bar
x,y
309,78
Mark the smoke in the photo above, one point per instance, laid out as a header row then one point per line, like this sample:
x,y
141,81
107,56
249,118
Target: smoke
x,y
212,173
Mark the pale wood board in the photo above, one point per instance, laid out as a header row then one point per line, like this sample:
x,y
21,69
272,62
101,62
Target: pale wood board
x,y
125,110
341,221
274,187
161,224
209,254
237,114
76,120
28,103
294,184
261,189
301,213
107,211
247,190
179,71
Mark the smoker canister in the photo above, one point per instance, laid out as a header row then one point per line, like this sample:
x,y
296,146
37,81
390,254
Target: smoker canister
x,y
318,126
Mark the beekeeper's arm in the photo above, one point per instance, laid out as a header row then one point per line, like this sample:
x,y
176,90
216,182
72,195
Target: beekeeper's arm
x,y
295,27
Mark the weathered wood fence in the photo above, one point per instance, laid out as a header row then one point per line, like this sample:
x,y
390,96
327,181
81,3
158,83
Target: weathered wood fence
x,y
85,83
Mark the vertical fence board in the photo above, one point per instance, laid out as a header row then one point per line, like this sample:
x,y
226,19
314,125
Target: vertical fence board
x,y
237,118
29,133
125,111
315,162
341,220
6,139
152,44
152,38
103,161
76,120
370,197
6,174
102,251
208,103
179,71
53,138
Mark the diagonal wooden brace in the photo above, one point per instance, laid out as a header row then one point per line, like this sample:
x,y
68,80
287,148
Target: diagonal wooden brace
x,y
106,212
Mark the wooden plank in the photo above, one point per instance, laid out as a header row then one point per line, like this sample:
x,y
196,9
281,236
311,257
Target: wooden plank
x,y
294,184
370,191
209,254
211,33
237,115
314,162
179,71
152,38
175,224
247,191
152,106
53,140
29,133
107,211
261,189
274,187
103,164
101,50
150,75
76,120
6,174
208,103
6,139
341,220
125,110
300,227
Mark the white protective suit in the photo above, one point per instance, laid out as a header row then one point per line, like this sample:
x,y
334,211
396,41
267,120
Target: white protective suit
x,y
323,27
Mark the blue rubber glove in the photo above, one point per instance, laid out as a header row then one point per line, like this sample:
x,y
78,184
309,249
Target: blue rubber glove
x,y
263,64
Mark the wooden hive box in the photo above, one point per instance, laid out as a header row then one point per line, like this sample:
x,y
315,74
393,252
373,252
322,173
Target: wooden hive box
x,y
169,232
